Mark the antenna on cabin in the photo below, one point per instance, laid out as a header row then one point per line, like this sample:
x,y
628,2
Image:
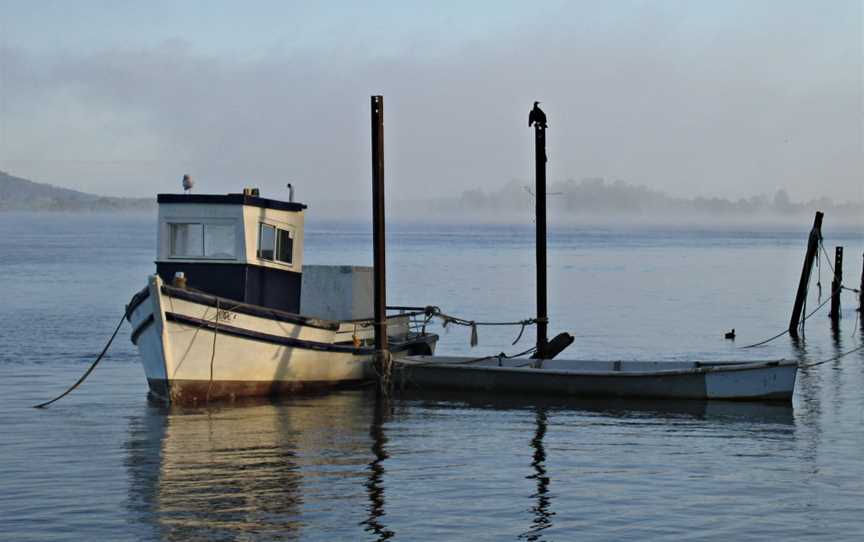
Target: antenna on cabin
x,y
290,192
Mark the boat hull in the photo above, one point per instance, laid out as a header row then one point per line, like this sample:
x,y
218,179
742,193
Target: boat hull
x,y
198,348
747,381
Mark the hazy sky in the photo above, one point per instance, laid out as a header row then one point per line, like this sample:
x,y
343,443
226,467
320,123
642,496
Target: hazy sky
x,y
725,98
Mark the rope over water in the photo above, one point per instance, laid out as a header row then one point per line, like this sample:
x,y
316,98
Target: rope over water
x,y
839,289
835,358
90,370
447,319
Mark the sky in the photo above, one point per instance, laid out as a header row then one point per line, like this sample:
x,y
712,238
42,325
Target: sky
x,y
692,97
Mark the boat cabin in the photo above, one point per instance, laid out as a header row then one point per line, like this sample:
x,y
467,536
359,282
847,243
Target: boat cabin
x,y
238,246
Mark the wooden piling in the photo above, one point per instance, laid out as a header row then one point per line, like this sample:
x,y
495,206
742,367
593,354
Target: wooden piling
x,y
379,262
540,209
804,281
836,284
861,293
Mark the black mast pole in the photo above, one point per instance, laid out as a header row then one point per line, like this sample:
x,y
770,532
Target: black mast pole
x,y
379,263
540,200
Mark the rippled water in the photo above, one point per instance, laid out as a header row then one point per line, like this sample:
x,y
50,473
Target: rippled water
x,y
106,464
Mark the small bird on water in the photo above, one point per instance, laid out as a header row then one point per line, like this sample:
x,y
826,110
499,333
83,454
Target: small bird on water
x,y
187,184
537,116
730,335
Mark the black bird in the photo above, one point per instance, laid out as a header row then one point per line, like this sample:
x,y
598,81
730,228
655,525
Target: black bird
x,y
537,116
730,335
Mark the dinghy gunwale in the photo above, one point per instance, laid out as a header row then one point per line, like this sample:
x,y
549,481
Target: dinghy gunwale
x,y
699,368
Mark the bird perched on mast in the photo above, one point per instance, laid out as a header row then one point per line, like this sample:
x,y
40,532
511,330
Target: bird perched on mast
x,y
187,184
537,116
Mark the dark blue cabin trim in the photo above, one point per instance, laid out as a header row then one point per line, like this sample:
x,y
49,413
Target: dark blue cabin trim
x,y
231,199
257,285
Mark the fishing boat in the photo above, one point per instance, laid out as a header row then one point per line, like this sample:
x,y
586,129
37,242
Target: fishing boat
x,y
232,312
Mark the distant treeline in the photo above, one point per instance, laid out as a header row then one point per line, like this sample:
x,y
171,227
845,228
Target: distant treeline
x,y
595,197
17,194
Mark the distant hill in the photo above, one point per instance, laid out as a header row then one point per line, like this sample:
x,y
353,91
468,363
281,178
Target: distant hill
x,y
17,194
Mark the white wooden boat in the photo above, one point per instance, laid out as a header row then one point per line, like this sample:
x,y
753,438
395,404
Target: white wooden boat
x,y
221,317
743,380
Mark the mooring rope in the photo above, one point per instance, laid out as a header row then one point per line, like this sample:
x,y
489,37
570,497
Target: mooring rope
x,y
839,289
835,358
784,332
819,271
90,370
213,350
827,259
500,356
447,319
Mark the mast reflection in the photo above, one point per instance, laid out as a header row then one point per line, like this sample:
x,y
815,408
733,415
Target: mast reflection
x,y
541,509
375,483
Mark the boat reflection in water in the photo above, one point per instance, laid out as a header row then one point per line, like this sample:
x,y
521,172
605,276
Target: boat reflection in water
x,y
747,414
259,470
322,466
751,412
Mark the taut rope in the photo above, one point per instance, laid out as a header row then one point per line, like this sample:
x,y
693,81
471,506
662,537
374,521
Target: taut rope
x,y
90,370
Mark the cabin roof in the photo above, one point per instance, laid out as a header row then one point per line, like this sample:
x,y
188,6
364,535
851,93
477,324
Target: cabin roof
x,y
231,199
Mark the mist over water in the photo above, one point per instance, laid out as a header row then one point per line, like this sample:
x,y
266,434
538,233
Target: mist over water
x,y
731,99
608,204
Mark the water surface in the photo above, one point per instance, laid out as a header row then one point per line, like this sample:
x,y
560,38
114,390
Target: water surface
x,y
104,463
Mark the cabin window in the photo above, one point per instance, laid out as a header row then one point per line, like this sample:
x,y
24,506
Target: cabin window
x,y
216,241
266,242
275,244
219,241
284,246
187,240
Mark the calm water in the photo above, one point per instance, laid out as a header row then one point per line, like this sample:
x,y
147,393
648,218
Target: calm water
x,y
105,464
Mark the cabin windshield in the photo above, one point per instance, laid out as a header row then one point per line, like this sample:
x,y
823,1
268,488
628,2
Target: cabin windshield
x,y
195,240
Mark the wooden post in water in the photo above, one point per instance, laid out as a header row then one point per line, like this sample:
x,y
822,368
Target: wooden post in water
x,y
540,209
379,262
801,296
836,284
861,293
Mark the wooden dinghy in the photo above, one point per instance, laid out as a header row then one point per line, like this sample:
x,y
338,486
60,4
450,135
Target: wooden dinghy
x,y
740,380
